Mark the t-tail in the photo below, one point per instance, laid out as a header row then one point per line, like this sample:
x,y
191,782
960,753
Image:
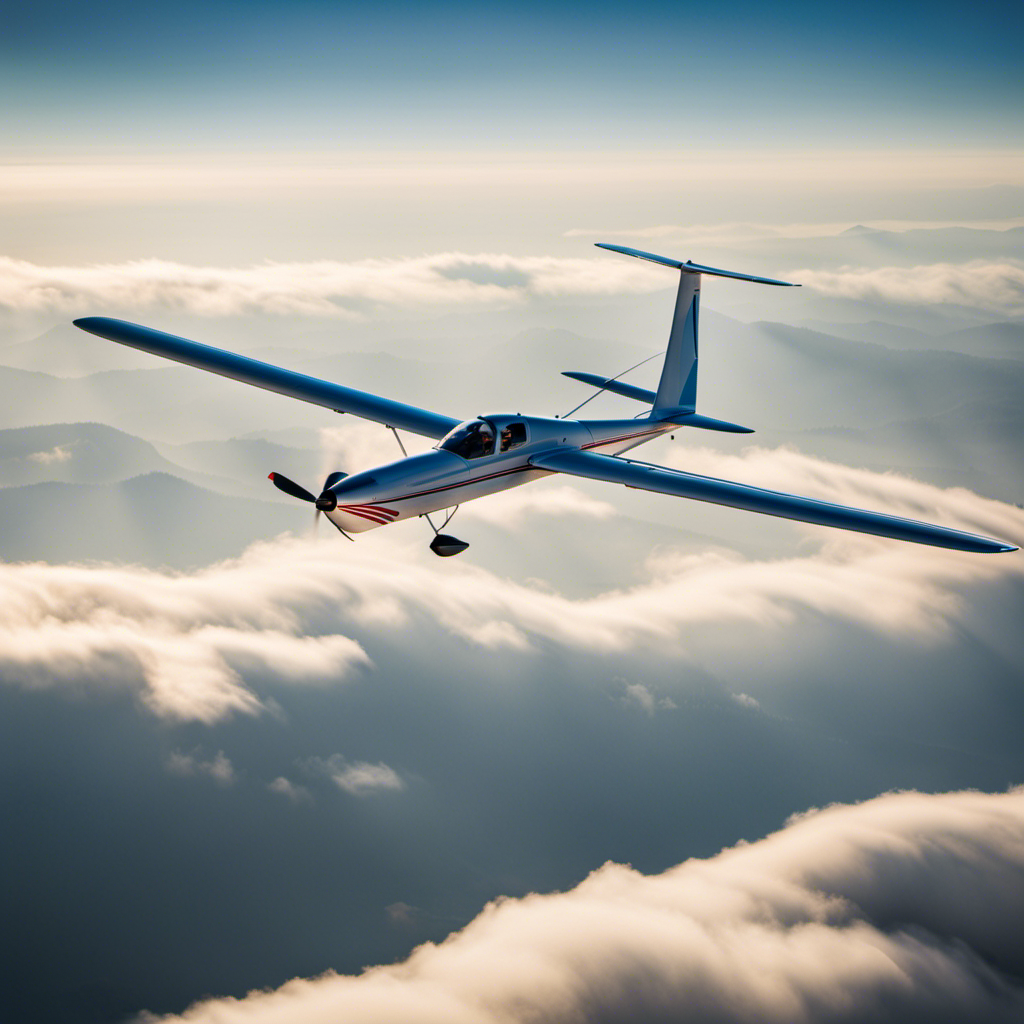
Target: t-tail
x,y
676,397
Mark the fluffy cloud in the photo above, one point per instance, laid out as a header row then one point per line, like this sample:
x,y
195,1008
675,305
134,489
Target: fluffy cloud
x,y
359,778
322,288
218,768
352,289
903,908
59,453
641,697
187,642
995,287
181,641
288,789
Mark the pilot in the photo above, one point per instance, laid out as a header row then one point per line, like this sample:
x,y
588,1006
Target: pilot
x,y
506,438
480,442
486,439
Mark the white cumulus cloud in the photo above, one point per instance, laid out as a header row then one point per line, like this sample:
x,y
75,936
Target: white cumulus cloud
x,y
903,908
219,768
182,642
994,287
292,791
360,778
320,288
189,644
59,453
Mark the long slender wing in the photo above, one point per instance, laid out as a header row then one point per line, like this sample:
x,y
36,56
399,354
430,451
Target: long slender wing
x,y
270,378
756,499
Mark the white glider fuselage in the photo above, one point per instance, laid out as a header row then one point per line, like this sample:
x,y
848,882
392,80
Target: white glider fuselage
x,y
444,477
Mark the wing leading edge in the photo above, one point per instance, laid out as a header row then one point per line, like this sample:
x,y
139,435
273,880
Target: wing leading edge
x,y
614,470
270,378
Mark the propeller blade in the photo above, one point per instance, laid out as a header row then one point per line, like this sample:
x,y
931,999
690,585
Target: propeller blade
x,y
333,478
282,483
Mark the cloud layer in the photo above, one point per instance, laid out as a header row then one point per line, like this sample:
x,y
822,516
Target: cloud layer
x,y
996,287
353,289
904,908
186,643
322,288
183,643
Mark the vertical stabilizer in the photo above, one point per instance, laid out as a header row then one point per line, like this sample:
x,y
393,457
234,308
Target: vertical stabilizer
x,y
677,389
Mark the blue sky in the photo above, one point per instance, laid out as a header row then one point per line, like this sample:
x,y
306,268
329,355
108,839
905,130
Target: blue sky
x,y
303,130
321,76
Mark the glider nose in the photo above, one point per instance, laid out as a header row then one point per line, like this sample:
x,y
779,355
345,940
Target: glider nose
x,y
352,490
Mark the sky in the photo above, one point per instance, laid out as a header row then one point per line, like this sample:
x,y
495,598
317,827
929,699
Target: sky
x,y
322,76
239,133
627,755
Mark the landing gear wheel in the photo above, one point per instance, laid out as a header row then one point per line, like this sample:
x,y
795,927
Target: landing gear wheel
x,y
446,546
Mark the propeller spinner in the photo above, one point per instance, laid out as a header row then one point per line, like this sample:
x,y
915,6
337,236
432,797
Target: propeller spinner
x,y
328,500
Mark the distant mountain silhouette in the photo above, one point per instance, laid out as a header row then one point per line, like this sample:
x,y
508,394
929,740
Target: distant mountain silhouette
x,y
74,453
155,520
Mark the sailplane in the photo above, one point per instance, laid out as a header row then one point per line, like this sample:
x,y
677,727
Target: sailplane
x,y
477,457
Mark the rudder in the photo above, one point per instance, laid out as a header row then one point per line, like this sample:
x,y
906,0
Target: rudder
x,y
677,389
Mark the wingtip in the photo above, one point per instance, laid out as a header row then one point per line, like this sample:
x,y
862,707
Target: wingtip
x,y
93,324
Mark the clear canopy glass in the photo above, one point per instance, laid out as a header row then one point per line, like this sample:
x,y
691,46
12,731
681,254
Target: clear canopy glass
x,y
472,439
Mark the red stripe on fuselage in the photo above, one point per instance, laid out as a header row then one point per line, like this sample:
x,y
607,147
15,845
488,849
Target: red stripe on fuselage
x,y
376,508
379,520
622,437
507,472
373,510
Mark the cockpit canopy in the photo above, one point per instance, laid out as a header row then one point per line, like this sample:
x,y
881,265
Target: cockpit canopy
x,y
476,438
471,440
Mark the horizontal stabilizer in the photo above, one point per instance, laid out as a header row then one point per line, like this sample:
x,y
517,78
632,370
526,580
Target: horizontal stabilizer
x,y
617,387
689,267
693,419
684,417
661,480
